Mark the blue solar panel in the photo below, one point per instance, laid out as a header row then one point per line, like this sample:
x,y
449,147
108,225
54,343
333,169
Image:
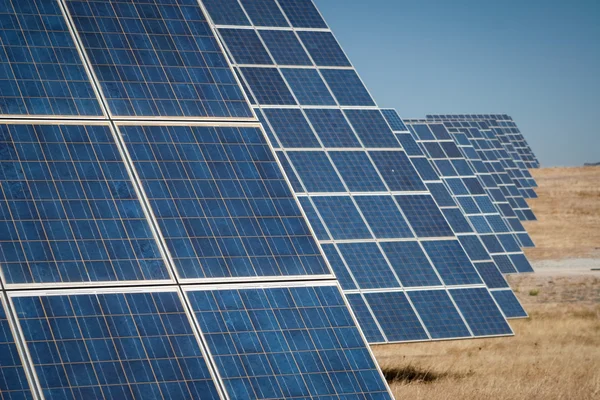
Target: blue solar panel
x,y
267,86
285,48
480,311
409,144
308,87
332,127
397,171
368,266
474,248
439,314
399,323
291,128
264,13
324,49
13,380
451,262
365,318
457,220
313,218
114,345
358,172
504,263
441,195
383,216
371,128
302,13
69,211
424,216
245,46
509,304
491,275
342,217
410,264
338,266
147,67
226,12
41,72
347,87
221,202
316,171
425,169
393,119
521,263
297,342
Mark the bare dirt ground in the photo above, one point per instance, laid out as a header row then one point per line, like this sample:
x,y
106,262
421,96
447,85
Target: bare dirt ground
x,y
555,354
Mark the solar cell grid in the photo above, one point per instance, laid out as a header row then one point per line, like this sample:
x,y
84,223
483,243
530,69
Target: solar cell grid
x,y
410,263
41,71
222,204
113,345
451,262
365,318
368,265
384,217
357,171
285,48
291,127
157,58
342,218
439,314
286,343
409,329
480,311
69,210
316,171
308,87
424,216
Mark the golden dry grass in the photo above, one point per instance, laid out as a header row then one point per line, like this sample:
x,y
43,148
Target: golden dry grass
x,y
568,211
555,354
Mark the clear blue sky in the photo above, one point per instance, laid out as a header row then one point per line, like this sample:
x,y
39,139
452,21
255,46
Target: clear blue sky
x,y
538,61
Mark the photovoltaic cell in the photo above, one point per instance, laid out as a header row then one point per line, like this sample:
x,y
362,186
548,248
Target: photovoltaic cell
x,y
313,218
424,216
368,266
491,275
69,211
316,171
365,318
41,71
338,266
245,46
333,129
358,172
371,128
399,323
509,304
383,216
342,217
392,117
481,313
264,13
347,87
410,264
13,381
267,86
226,12
285,48
221,202
291,128
397,171
308,87
157,58
324,49
296,342
114,345
439,314
302,13
451,262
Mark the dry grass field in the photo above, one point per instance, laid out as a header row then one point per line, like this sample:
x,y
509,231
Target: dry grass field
x,y
555,354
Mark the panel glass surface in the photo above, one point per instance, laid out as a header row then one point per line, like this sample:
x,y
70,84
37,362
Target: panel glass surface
x,y
41,71
481,313
157,58
222,203
296,342
399,323
439,314
114,346
69,209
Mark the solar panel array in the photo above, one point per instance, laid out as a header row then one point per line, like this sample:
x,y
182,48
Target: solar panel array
x,y
480,197
143,215
391,247
508,176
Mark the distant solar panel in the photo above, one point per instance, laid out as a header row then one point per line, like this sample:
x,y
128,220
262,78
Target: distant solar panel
x,y
383,202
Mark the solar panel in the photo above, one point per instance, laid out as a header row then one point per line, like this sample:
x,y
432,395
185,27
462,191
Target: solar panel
x,y
41,71
104,344
462,180
286,342
383,202
13,377
156,59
